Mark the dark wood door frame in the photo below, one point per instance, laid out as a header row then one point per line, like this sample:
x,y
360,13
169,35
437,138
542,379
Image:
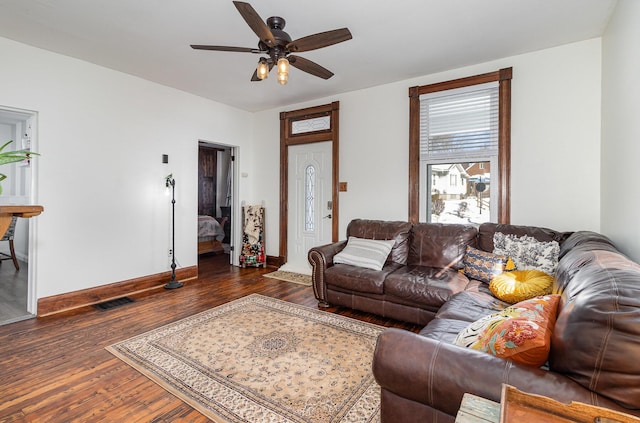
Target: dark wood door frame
x,y
287,139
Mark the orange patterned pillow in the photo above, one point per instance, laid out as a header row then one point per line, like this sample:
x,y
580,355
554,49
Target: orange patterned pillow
x,y
521,332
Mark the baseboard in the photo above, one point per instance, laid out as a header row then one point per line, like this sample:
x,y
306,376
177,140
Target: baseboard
x,y
86,297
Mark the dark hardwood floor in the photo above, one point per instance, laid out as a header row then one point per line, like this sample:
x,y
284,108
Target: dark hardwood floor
x,y
56,368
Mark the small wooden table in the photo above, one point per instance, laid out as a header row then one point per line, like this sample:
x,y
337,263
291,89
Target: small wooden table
x,y
7,213
517,406
474,409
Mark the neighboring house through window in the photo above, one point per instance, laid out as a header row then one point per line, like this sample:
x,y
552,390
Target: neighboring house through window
x,y
459,132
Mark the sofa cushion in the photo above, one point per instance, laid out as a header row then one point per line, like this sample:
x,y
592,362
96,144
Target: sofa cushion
x,y
444,330
440,245
575,248
380,229
469,306
586,241
488,229
521,332
596,341
428,286
367,253
359,279
521,285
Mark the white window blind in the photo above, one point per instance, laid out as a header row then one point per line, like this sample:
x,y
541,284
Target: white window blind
x,y
460,124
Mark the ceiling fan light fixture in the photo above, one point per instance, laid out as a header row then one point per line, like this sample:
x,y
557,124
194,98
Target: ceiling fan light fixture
x,y
263,69
283,70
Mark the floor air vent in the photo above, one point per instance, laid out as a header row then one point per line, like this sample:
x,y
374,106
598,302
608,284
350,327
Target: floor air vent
x,y
107,305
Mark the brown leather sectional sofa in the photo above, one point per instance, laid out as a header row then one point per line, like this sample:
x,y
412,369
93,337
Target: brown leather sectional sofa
x,y
595,347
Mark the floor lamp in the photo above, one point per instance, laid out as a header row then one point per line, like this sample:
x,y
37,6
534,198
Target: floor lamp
x,y
173,283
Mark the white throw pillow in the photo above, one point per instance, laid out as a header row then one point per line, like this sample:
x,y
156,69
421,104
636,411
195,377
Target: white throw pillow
x,y
527,252
367,253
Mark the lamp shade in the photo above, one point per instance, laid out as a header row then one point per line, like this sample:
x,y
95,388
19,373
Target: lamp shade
x,y
263,69
283,70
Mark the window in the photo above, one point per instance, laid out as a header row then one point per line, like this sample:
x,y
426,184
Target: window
x,y
459,130
304,126
309,200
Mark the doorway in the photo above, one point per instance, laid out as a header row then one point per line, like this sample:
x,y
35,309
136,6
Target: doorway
x,y
216,194
17,292
308,136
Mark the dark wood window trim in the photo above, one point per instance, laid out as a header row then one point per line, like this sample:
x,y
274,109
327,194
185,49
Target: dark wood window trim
x,y
287,138
503,77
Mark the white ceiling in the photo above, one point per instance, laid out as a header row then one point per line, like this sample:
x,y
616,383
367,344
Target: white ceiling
x,y
392,40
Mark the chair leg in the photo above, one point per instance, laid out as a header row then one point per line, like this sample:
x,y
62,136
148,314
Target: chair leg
x,y
13,255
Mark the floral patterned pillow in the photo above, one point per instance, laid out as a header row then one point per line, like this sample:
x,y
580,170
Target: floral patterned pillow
x,y
521,332
527,252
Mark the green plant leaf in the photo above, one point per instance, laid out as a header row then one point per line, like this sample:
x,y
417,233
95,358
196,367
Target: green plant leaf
x,y
7,157
5,144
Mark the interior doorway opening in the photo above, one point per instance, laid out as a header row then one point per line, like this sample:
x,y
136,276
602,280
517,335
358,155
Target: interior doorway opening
x,y
17,291
217,203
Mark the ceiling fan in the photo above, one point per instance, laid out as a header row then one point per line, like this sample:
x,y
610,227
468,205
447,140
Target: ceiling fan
x,y
278,46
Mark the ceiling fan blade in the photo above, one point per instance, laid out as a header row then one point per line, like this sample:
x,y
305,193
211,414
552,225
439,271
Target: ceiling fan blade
x,y
255,22
319,40
226,48
308,66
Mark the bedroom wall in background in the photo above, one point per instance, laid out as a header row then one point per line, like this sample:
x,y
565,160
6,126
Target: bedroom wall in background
x,y
555,116
102,134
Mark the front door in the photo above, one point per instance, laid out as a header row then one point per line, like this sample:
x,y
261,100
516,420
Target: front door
x,y
310,207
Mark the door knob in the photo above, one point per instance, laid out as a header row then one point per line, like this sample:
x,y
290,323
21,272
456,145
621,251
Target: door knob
x,y
327,216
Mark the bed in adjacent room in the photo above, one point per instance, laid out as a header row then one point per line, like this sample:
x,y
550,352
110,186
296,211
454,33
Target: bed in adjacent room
x,y
210,234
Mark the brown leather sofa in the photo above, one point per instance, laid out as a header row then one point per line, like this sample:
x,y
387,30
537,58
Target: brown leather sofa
x,y
595,347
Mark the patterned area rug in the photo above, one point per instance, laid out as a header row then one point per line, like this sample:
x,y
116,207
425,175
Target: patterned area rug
x,y
258,359
290,277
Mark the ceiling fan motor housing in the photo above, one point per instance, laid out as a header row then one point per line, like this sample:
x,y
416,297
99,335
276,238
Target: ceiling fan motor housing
x,y
276,24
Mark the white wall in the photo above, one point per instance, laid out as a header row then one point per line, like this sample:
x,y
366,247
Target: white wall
x,y
102,135
555,163
100,175
621,128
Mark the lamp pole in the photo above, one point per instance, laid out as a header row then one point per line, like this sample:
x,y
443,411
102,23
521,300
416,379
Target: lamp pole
x,y
173,283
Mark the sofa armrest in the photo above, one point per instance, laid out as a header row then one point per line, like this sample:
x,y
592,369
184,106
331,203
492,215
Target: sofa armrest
x,y
321,258
438,374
